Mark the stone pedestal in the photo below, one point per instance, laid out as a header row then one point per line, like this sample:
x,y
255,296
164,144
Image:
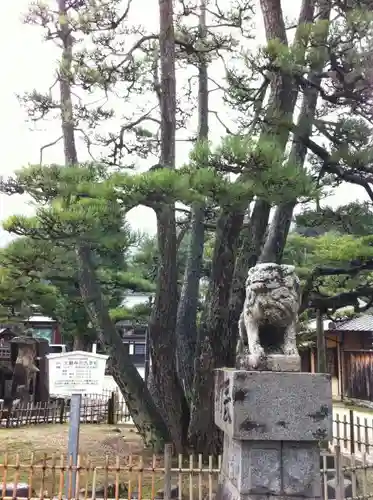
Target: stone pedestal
x,y
272,423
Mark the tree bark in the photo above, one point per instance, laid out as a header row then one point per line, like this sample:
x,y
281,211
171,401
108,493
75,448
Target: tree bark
x,y
213,338
252,240
186,324
78,343
249,252
216,338
137,397
277,233
142,409
166,388
280,225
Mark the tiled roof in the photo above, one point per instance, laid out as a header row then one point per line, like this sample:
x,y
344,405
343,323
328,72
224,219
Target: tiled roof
x,y
360,324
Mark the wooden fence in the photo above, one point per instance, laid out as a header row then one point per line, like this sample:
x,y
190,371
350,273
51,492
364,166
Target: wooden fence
x,y
132,477
107,407
358,375
353,434
160,477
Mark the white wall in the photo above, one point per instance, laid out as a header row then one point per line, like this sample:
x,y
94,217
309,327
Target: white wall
x,y
110,385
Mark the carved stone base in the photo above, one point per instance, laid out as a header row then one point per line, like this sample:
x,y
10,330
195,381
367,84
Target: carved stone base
x,y
273,406
271,363
272,423
278,470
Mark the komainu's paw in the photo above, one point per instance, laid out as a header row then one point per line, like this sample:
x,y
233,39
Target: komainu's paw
x,y
255,361
258,351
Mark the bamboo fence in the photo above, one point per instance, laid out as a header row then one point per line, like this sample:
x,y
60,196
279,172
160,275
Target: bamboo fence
x,y
134,477
161,477
95,408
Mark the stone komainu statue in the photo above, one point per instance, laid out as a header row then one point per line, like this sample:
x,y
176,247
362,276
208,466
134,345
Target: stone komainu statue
x,y
268,321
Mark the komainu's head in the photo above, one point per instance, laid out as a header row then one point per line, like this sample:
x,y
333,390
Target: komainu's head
x,y
273,293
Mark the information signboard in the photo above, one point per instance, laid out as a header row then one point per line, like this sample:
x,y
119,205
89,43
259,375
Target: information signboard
x,y
73,374
76,372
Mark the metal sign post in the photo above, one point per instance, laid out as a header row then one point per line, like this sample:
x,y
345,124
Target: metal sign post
x,y
73,445
72,374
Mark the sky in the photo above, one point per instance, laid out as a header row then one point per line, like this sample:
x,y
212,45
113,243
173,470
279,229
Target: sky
x,y
28,62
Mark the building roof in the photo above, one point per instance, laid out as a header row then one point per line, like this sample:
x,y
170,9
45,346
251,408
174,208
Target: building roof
x,y
40,319
359,324
4,326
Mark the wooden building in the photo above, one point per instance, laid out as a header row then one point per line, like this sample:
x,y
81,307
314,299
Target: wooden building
x,y
45,328
42,328
349,347
135,340
134,337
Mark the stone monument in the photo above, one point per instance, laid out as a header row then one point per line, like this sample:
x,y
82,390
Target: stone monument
x,y
272,415
25,369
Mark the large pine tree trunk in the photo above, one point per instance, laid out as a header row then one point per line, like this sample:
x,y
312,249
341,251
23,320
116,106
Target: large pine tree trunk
x,y
143,411
280,224
186,325
277,233
213,348
166,387
216,341
252,240
139,402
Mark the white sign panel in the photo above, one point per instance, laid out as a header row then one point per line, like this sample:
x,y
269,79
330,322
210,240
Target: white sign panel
x,y
76,372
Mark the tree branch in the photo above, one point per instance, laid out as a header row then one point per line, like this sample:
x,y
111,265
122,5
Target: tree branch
x,y
53,143
334,167
315,300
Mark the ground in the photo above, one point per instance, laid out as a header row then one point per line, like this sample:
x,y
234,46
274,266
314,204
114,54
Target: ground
x,y
42,446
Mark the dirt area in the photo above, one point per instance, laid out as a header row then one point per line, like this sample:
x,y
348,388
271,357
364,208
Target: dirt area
x,y
36,455
96,441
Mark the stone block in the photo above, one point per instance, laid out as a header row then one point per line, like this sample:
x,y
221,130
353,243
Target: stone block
x,y
260,468
300,469
282,363
272,468
227,491
273,406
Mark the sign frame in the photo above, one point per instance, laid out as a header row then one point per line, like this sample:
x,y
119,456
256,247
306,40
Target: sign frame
x,y
76,372
67,362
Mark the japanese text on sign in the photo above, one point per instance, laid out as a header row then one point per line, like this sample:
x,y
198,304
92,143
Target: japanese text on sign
x,y
76,372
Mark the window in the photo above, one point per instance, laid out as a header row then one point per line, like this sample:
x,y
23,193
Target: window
x,y
140,349
43,333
